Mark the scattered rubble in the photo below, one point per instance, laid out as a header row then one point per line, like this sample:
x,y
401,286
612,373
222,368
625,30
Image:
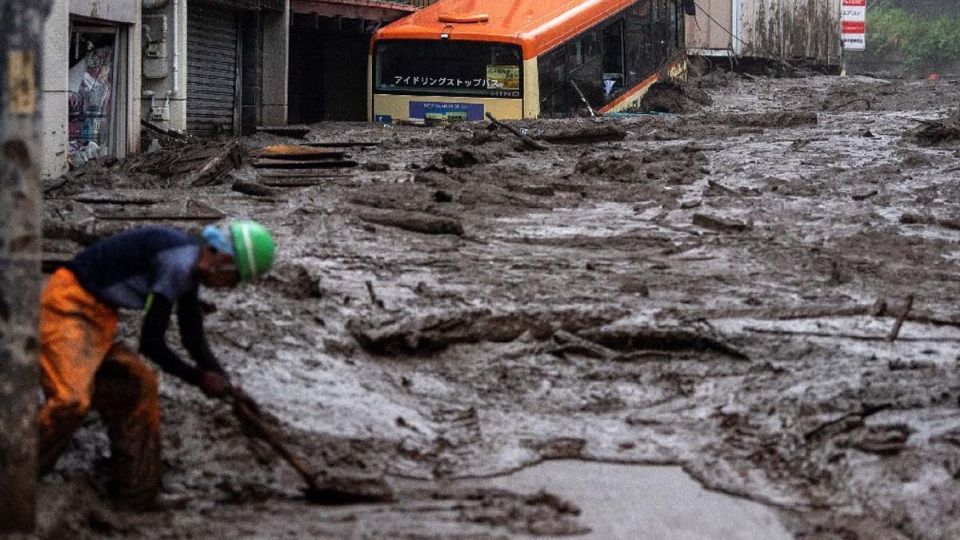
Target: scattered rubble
x,y
695,289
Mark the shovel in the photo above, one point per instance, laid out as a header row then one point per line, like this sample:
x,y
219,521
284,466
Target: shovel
x,y
331,491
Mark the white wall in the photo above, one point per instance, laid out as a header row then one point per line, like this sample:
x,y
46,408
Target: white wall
x,y
53,89
56,50
164,87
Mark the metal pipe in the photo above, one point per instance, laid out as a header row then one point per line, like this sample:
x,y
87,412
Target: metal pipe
x,y
176,49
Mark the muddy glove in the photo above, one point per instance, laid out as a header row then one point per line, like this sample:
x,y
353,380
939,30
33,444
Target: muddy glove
x,y
214,384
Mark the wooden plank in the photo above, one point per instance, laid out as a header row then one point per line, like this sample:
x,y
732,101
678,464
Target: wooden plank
x,y
304,173
293,151
339,144
289,131
297,182
123,216
293,164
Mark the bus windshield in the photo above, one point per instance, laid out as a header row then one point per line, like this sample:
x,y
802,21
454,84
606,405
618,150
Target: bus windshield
x,y
448,67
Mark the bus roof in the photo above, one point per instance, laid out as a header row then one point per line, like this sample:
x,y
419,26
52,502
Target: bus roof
x,y
536,25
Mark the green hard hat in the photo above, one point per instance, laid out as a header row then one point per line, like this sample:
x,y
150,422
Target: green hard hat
x,y
253,249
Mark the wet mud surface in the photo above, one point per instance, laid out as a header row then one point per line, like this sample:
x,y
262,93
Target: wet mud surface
x,y
714,290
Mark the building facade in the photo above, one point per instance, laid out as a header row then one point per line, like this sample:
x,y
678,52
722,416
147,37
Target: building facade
x,y
806,30
213,67
90,82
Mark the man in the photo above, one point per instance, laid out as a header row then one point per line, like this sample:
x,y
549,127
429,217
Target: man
x,y
157,270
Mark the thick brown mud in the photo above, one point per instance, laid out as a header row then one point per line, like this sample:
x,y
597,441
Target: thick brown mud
x,y
713,290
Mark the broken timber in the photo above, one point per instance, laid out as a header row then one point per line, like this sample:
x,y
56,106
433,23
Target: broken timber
x,y
588,135
307,173
254,189
122,216
340,144
527,141
287,131
303,164
297,152
420,222
297,182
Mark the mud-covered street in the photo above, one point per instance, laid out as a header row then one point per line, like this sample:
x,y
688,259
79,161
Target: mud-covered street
x,y
763,291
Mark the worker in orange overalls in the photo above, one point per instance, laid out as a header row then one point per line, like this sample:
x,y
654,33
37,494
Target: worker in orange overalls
x,y
157,270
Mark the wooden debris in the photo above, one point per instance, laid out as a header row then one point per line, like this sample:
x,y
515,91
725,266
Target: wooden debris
x,y
880,308
895,331
373,295
574,343
133,201
630,338
59,184
857,337
589,135
168,132
252,188
720,224
229,157
413,333
885,440
543,191
864,195
265,163
583,98
297,132
716,189
296,152
192,211
527,141
919,219
420,222
305,173
297,182
347,144
83,235
204,218
844,423
784,119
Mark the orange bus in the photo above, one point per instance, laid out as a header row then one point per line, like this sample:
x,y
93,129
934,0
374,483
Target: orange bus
x,y
459,59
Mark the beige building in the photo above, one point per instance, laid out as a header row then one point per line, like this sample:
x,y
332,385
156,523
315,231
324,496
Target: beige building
x,y
785,29
206,67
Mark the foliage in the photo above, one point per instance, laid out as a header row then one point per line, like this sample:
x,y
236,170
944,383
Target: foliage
x,y
923,42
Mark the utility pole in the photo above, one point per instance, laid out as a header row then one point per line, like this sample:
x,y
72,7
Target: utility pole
x,y
21,40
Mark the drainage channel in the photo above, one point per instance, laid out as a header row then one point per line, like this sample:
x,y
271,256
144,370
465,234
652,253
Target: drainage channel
x,y
631,502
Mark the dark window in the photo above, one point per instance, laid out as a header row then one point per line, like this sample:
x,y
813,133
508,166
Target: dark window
x,y
448,68
613,73
640,51
616,55
553,76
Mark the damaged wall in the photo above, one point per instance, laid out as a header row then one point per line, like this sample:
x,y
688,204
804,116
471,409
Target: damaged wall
x,y
788,29
807,29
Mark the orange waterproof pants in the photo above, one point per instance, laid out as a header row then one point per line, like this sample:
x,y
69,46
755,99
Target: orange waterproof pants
x,y
80,367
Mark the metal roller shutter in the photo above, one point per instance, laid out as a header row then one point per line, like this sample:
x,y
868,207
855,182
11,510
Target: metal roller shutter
x,y
213,104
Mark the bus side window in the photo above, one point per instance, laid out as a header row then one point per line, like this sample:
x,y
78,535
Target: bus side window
x,y
585,68
553,82
613,78
637,42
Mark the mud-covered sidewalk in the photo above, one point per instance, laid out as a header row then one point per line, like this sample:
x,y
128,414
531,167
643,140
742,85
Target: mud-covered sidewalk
x,y
764,292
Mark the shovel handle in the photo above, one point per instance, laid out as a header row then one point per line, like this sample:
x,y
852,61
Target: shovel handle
x,y
248,412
